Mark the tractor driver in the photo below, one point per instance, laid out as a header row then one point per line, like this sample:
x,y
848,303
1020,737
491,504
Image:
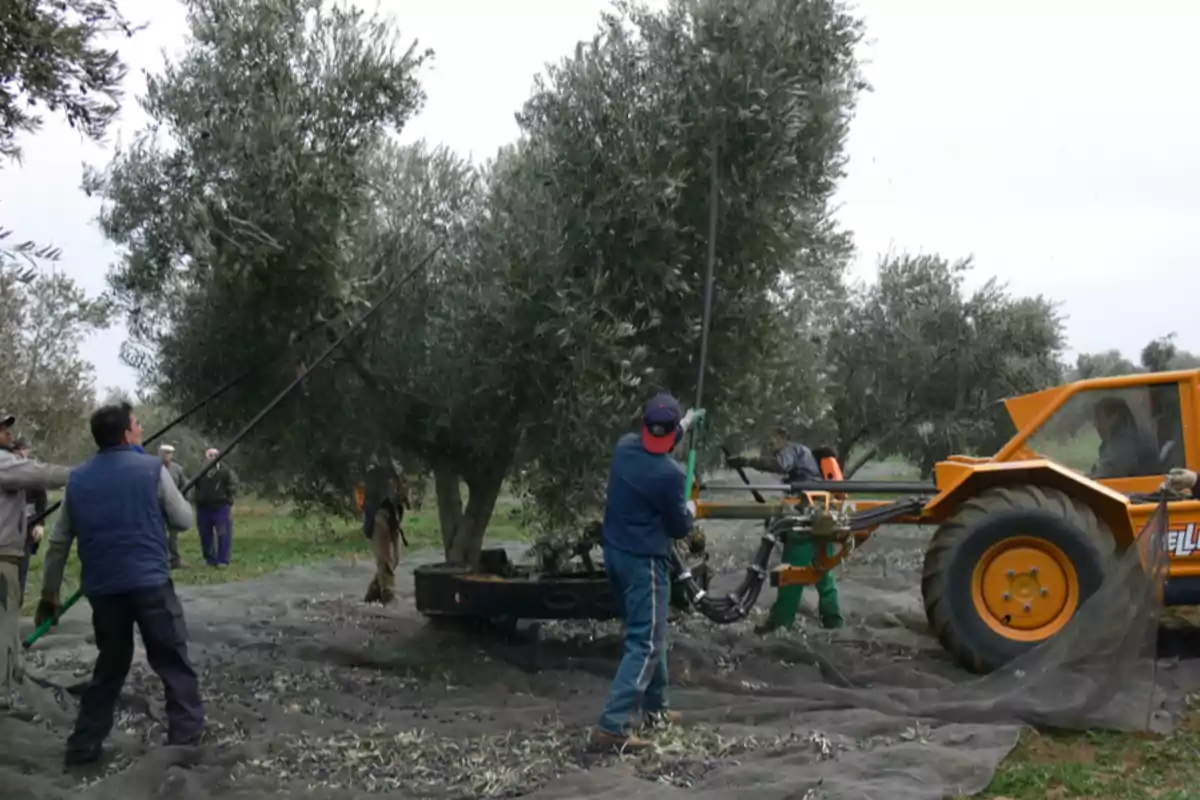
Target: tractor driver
x,y
796,463
1125,450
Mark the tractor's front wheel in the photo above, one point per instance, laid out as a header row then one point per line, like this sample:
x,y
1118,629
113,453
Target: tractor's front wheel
x,y
1009,570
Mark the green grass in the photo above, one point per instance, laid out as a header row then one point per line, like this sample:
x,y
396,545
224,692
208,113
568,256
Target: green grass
x,y
1101,765
269,537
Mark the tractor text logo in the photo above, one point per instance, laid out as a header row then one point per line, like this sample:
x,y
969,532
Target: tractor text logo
x,y
1182,543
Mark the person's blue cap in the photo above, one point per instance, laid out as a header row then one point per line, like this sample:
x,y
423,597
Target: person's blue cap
x,y
660,423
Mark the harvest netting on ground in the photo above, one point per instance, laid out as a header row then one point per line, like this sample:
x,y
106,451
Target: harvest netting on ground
x,y
310,691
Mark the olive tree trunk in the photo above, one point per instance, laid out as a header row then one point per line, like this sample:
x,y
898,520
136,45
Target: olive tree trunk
x,y
464,527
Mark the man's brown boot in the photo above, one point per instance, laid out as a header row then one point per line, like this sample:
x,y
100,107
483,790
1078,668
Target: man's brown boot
x,y
603,740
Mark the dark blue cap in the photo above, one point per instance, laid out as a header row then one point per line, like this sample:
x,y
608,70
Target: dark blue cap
x,y
660,423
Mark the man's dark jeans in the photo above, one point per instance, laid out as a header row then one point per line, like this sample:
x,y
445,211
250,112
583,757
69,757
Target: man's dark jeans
x,y
159,617
641,588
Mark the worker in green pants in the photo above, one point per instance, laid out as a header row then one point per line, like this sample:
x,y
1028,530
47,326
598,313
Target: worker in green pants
x,y
800,553
796,463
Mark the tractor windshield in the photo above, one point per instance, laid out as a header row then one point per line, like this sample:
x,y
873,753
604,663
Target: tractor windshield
x,y
1116,433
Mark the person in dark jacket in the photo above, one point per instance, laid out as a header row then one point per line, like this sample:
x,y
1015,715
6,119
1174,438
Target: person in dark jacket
x,y
119,505
796,463
792,460
35,506
214,494
645,513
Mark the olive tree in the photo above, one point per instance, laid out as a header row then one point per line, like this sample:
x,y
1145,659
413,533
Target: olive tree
x,y
47,382
244,210
1162,354
568,284
626,129
919,363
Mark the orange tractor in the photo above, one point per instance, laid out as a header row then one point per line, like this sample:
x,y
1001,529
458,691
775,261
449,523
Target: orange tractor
x,y
1024,537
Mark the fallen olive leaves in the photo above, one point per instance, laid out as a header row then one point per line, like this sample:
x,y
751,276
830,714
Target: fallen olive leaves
x,y
354,747
503,765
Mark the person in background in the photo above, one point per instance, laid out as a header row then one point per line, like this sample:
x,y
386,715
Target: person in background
x,y
646,512
35,507
383,500
214,494
796,463
119,505
17,477
167,453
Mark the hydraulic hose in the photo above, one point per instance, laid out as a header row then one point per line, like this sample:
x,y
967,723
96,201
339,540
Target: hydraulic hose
x,y
736,605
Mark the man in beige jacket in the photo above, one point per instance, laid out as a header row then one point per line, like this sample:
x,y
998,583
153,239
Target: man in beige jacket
x,y
17,475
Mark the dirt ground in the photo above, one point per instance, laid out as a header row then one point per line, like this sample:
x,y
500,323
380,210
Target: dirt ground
x,y
310,691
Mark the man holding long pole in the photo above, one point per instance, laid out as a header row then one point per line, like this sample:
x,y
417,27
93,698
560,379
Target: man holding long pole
x,y
646,511
120,505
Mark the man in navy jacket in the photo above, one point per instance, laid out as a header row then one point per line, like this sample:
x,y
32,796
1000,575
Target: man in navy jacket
x,y
119,505
645,512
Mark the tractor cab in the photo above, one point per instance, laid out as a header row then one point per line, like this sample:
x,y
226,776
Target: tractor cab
x,y
1124,432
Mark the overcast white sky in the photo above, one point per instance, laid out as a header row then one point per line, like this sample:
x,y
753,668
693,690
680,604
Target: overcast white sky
x,y
1058,141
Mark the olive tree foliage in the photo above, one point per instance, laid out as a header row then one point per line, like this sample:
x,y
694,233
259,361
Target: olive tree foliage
x,y
625,130
1101,365
52,58
46,381
568,285
1159,355
247,211
1162,355
919,364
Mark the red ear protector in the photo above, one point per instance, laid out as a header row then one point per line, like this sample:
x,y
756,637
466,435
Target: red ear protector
x,y
831,469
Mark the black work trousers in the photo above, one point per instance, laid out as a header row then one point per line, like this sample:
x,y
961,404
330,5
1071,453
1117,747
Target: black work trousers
x,y
159,617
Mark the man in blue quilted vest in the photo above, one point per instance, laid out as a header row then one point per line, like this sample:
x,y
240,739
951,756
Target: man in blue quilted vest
x,y
119,505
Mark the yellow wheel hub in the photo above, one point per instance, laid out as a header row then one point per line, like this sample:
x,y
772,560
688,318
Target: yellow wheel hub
x,y
1025,588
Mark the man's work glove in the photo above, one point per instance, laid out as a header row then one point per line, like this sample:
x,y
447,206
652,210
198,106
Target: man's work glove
x,y
47,608
696,542
691,508
1179,481
36,533
691,418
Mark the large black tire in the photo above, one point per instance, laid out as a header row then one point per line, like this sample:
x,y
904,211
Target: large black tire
x,y
960,543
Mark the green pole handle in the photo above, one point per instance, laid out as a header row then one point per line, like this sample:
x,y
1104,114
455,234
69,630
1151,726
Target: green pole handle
x,y
691,474
690,481
46,626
